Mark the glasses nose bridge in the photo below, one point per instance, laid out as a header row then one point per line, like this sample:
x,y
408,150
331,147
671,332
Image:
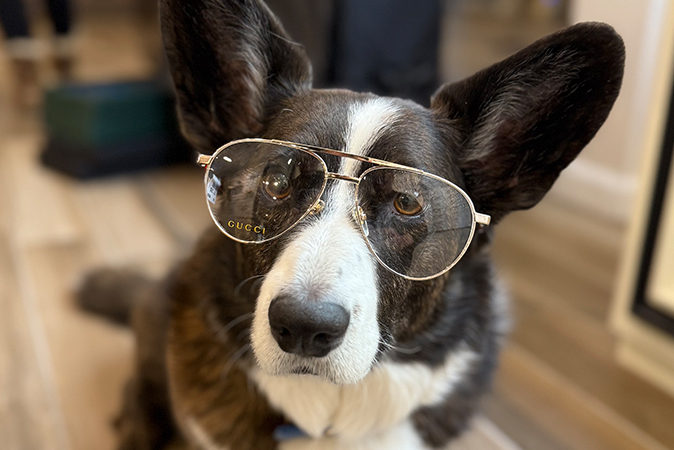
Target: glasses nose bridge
x,y
357,212
339,176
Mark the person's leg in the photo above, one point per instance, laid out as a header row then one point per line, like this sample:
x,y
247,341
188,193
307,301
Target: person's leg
x,y
61,15
23,51
389,47
13,19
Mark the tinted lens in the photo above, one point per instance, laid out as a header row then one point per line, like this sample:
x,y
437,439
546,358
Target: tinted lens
x,y
256,190
417,225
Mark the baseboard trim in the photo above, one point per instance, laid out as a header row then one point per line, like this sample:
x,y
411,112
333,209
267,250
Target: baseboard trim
x,y
650,369
597,189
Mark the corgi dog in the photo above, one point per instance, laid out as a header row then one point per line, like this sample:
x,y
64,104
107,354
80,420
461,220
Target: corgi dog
x,y
345,297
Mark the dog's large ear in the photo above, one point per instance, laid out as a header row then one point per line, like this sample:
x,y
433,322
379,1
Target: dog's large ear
x,y
230,60
526,118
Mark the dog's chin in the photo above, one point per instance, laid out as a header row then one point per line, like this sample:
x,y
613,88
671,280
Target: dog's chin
x,y
325,368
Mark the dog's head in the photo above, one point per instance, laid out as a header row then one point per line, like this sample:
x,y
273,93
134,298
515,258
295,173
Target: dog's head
x,y
326,307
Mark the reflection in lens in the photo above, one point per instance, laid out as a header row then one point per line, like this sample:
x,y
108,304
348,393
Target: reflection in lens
x,y
276,183
258,190
414,240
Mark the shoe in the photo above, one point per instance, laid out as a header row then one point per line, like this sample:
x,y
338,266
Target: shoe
x,y
64,56
24,55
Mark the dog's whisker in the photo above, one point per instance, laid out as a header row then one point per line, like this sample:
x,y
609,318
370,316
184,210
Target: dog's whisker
x,y
403,350
386,344
284,39
256,284
232,323
431,337
221,331
406,351
234,358
203,302
244,333
237,289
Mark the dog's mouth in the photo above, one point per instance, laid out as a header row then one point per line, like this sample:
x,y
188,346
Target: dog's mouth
x,y
340,368
304,370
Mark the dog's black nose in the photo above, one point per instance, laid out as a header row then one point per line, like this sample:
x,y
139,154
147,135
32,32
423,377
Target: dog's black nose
x,y
307,328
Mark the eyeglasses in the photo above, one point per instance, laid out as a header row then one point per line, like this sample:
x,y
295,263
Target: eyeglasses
x,y
417,225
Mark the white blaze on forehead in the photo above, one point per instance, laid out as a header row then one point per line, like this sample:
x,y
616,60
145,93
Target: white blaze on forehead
x,y
367,121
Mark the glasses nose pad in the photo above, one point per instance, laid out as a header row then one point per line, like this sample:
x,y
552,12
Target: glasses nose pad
x,y
317,208
360,218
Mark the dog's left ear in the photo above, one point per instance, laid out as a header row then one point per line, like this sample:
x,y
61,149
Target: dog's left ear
x,y
526,118
231,61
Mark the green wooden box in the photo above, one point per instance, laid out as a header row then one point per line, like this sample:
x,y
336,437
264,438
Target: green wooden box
x,y
102,115
104,129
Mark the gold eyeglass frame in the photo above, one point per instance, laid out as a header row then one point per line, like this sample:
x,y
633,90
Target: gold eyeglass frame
x,y
207,160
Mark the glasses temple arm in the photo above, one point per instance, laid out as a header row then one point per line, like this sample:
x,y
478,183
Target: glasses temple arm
x,y
203,160
483,219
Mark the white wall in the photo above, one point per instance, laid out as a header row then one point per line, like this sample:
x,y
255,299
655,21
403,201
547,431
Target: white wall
x,y
640,347
604,178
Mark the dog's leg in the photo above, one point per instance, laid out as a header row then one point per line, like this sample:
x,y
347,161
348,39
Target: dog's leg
x,y
145,422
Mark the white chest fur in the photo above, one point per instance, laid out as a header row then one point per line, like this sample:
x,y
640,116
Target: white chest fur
x,y
402,436
381,401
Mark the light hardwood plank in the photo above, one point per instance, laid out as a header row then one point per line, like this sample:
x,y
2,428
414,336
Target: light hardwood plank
x,y
27,418
176,196
41,211
91,358
120,227
554,322
115,48
561,237
642,404
516,424
483,435
524,266
5,192
569,414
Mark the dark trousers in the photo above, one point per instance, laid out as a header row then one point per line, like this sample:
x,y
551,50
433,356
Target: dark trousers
x,y
389,47
15,23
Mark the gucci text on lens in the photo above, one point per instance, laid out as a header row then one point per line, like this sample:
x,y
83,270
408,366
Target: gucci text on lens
x,y
257,229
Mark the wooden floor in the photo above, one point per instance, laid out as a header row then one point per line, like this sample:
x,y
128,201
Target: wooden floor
x,y
61,372
558,386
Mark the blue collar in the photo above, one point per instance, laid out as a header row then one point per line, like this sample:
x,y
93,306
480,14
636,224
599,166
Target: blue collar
x,y
287,432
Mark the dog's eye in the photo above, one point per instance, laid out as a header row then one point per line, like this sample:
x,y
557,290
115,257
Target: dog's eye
x,y
409,204
276,183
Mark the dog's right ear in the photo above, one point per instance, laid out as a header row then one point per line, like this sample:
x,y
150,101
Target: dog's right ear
x,y
231,60
524,119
